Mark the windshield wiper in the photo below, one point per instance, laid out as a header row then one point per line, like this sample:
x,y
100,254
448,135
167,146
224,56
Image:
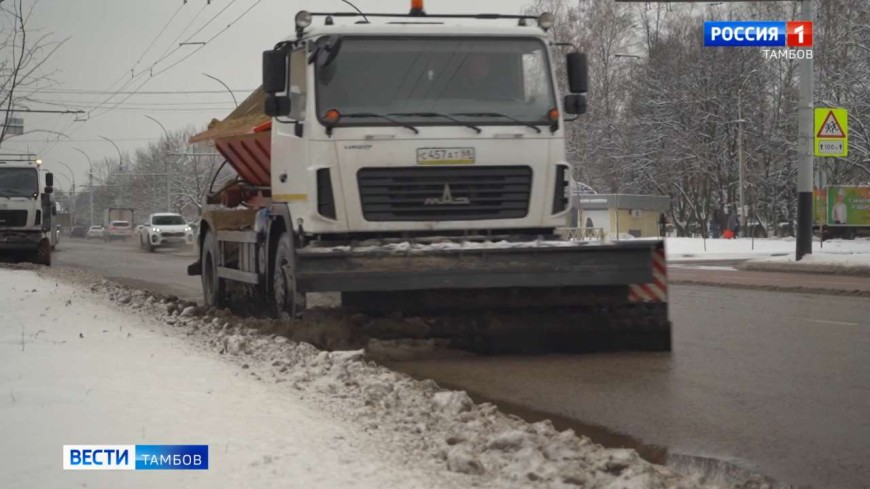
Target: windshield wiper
x,y
384,117
498,114
436,114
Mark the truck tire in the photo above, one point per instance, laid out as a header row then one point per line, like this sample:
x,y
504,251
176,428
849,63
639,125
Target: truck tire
x,y
42,254
213,287
287,301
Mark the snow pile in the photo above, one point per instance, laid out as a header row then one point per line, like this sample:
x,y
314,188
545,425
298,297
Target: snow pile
x,y
847,264
435,429
688,249
408,247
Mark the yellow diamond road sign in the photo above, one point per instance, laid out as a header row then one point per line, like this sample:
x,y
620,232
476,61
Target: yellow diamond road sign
x,y
832,132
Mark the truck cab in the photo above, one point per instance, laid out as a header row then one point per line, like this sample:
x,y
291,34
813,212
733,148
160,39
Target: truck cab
x,y
413,127
26,211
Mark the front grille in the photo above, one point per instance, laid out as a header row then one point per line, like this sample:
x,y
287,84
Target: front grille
x,y
173,235
442,194
15,218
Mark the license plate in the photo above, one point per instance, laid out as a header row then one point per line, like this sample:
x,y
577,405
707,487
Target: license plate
x,y
445,156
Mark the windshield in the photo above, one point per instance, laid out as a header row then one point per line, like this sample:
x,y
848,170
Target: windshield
x,y
18,182
168,220
408,79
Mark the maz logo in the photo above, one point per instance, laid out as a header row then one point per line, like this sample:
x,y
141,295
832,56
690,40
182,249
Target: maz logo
x,y
447,199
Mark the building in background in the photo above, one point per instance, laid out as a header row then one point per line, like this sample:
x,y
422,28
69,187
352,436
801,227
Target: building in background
x,y
619,215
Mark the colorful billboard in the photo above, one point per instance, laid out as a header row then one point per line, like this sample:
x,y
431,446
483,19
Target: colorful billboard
x,y
848,206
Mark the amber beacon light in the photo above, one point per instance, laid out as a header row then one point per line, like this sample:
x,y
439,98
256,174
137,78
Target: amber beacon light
x,y
417,7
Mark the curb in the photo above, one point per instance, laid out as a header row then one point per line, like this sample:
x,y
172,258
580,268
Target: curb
x,y
817,268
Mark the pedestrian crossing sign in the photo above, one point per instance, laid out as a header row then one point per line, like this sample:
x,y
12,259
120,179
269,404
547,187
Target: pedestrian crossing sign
x,y
832,132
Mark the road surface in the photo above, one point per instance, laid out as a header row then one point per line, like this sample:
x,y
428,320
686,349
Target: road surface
x,y
772,382
163,271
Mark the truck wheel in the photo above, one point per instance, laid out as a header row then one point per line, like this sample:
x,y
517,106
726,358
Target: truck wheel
x,y
288,301
213,287
42,255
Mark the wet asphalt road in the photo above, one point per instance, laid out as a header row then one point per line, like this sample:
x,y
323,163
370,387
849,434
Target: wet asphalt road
x,y
775,382
778,383
163,271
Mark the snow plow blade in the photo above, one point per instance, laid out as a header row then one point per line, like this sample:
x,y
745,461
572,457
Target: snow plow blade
x,y
564,297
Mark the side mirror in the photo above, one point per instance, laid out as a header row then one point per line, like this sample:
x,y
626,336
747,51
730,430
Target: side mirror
x,y
49,179
275,71
578,72
277,105
575,104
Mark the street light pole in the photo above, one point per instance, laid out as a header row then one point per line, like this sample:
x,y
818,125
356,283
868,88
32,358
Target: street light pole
x,y
73,176
90,183
225,86
120,156
165,165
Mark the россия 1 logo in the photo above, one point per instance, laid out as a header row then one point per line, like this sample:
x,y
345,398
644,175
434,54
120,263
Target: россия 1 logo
x,y
794,39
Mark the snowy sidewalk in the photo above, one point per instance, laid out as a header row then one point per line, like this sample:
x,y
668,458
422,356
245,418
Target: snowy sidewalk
x,y
98,363
75,371
697,249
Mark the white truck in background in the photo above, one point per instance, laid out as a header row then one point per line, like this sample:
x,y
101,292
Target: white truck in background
x,y
26,210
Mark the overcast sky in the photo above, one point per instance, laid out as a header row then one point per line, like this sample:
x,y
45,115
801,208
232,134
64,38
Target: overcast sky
x,y
108,37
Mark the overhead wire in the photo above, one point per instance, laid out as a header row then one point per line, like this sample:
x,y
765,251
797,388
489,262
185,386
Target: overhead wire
x,y
119,79
199,48
136,90
160,33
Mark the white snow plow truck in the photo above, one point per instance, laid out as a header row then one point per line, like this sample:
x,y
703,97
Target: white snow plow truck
x,y
416,164
25,212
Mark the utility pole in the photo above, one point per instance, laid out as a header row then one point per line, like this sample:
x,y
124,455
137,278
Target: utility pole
x,y
804,242
740,160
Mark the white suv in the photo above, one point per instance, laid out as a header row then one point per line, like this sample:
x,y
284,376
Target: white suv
x,y
165,229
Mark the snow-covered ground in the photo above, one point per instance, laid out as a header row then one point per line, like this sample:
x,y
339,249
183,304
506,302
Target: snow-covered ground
x,y
89,362
694,249
75,370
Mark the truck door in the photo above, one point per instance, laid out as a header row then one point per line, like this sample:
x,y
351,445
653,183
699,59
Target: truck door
x,y
289,145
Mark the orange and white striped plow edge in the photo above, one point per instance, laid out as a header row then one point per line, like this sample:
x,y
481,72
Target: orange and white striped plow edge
x,y
657,290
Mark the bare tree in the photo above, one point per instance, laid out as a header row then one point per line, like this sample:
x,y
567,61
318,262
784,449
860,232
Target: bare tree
x,y
23,53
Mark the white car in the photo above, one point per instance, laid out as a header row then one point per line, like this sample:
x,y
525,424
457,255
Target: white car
x,y
118,230
165,229
95,232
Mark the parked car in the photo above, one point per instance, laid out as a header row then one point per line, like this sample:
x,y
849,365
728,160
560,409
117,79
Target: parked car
x,y
95,232
165,229
119,230
78,232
